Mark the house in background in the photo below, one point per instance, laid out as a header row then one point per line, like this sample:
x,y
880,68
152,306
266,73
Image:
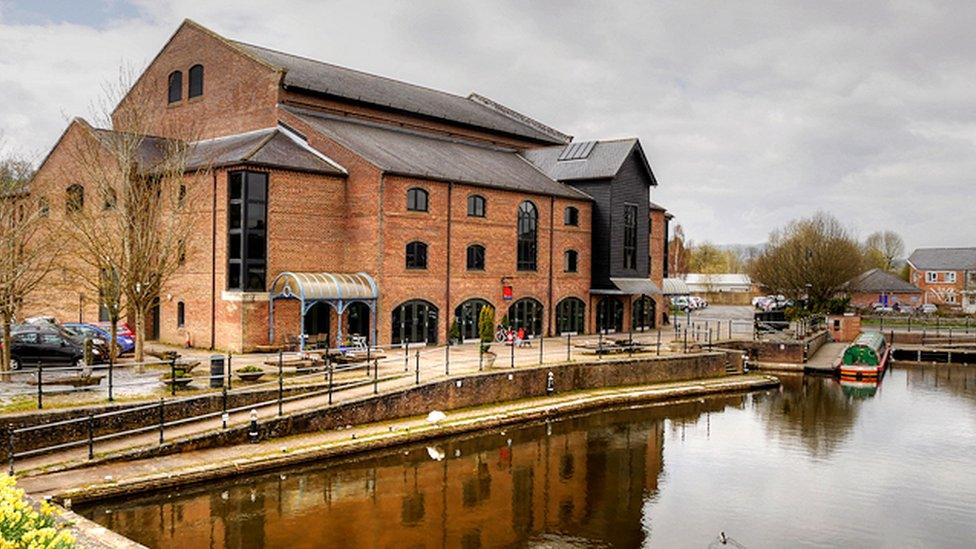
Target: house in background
x,y
880,286
722,288
947,276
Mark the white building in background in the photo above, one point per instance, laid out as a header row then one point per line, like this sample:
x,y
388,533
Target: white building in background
x,y
718,283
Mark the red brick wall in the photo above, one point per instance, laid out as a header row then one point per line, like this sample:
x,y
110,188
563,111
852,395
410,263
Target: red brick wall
x,y
239,92
938,292
867,300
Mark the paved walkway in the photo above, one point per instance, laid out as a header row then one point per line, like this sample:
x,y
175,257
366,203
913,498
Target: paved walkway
x,y
394,373
108,478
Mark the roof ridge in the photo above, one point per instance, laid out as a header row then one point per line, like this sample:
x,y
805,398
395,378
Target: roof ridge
x,y
519,117
398,129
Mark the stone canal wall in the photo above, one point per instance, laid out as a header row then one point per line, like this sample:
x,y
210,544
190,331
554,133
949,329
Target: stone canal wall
x,y
788,352
497,385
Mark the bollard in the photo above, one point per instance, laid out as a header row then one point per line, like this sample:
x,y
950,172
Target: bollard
x,y
550,383
417,367
111,364
162,420
513,352
376,377
252,430
331,369
91,436
569,348
172,376
281,382
40,387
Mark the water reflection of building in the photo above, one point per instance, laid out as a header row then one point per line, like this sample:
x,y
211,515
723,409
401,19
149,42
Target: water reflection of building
x,y
580,478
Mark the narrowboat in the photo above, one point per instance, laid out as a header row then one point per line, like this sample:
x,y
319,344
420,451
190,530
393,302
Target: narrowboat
x,y
867,356
863,387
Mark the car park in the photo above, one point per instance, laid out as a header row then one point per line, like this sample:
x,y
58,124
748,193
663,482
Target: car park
x,y
39,345
101,336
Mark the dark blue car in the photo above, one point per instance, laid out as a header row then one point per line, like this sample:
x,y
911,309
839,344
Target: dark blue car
x,y
125,344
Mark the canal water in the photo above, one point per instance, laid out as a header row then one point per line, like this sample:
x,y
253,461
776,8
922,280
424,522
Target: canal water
x,y
816,463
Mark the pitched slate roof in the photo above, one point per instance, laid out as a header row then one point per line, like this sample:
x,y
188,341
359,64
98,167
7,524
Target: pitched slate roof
x,y
603,160
329,79
656,206
878,281
270,147
414,153
946,259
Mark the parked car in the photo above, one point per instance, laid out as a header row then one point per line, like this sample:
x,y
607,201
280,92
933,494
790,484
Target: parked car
x,y
125,344
928,308
31,344
697,302
122,328
681,302
882,308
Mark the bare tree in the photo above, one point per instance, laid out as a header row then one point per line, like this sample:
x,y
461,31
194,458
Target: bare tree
x,y
809,258
678,260
136,236
882,248
26,253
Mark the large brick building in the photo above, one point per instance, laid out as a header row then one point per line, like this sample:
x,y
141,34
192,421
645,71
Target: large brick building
x,y
946,276
341,202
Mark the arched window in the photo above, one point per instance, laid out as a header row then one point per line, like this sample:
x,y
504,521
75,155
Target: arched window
x,y
76,198
476,206
180,315
610,315
417,200
414,322
357,315
476,257
570,316
526,313
571,216
416,255
467,315
196,82
643,314
175,87
528,224
569,261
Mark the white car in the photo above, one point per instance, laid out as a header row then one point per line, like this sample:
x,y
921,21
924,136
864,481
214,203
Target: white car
x,y
928,308
681,302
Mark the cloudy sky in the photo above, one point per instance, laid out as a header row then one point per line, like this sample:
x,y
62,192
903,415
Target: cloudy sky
x,y
752,113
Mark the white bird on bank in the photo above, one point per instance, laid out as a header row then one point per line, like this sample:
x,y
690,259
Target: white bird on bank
x,y
436,416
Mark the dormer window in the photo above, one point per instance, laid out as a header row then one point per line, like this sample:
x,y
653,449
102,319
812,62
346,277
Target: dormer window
x,y
176,86
196,81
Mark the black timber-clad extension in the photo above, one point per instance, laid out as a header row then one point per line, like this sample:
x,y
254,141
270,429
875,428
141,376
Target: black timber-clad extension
x,y
616,175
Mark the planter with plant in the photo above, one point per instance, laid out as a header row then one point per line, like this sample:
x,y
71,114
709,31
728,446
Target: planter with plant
x,y
486,332
177,377
455,333
250,373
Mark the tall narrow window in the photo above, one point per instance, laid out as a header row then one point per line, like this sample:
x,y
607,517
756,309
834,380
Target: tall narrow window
x,y
570,261
247,229
417,200
476,206
180,315
630,236
571,216
175,87
527,227
476,257
196,81
416,255
75,200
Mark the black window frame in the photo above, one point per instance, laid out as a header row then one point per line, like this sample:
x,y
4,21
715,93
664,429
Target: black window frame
x,y
423,320
180,314
571,316
477,206
475,257
571,261
571,216
414,195
527,236
195,85
415,255
527,313
630,236
174,89
247,237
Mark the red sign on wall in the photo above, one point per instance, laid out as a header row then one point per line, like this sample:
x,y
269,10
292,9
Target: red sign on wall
x,y
507,293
